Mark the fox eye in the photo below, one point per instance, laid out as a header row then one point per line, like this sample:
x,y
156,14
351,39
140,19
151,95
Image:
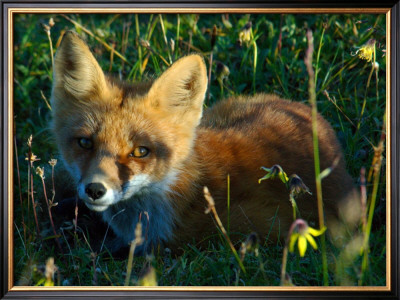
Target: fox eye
x,y
85,143
140,152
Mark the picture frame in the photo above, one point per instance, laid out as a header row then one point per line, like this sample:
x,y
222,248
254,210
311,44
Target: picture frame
x,y
392,11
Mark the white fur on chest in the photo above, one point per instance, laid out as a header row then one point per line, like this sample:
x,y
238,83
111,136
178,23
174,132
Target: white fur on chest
x,y
156,229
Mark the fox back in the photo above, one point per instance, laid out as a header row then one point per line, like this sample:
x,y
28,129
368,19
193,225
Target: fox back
x,y
143,152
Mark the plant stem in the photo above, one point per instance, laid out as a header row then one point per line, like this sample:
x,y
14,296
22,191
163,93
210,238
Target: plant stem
x,y
50,215
136,242
318,55
165,38
107,46
377,164
365,94
34,204
229,200
314,112
209,76
130,262
210,62
254,66
211,207
30,185
284,263
51,48
138,45
255,56
178,26
19,187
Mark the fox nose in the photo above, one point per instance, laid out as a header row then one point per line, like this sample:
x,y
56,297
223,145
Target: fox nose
x,y
95,190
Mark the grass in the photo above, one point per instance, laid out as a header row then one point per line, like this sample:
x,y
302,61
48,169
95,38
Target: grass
x,y
269,51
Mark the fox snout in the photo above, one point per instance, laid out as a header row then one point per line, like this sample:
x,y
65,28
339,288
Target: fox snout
x,y
99,191
95,190
96,194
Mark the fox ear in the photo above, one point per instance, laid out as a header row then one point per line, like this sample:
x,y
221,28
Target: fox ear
x,y
76,72
179,91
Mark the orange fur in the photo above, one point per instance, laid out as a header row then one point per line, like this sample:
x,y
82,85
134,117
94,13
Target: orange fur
x,y
186,150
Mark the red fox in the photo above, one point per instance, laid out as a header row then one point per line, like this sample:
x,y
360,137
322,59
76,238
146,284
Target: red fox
x,y
152,147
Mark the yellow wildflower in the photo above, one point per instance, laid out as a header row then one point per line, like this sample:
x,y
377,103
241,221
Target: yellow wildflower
x,y
367,51
149,278
51,268
245,34
274,171
303,235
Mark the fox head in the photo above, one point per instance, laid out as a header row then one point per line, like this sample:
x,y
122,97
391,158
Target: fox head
x,y
120,140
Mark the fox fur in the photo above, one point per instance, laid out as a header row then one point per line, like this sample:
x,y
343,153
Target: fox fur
x,y
100,124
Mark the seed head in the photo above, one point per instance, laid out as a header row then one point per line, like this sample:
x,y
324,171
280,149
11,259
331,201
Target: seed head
x,y
297,186
144,43
40,172
51,22
53,162
222,71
